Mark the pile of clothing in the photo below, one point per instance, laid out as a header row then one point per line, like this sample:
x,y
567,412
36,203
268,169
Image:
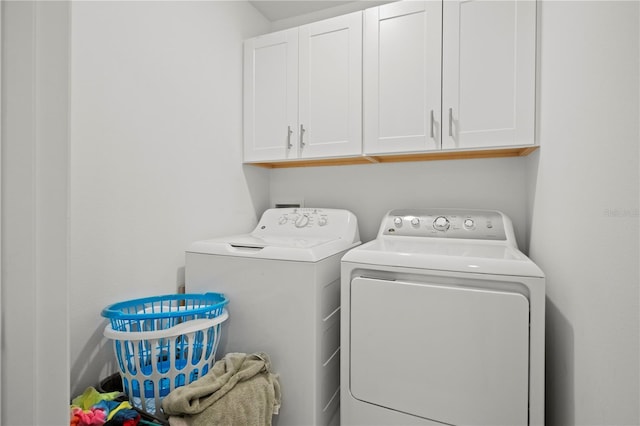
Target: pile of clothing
x,y
239,390
93,408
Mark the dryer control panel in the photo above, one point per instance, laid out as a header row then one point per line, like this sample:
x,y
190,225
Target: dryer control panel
x,y
447,223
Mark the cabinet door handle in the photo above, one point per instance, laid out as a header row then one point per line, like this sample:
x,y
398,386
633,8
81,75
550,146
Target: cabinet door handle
x,y
431,133
451,122
302,136
289,132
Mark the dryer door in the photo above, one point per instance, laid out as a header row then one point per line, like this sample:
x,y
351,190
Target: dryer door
x,y
456,355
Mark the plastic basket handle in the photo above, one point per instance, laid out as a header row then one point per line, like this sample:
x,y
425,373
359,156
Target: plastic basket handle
x,y
190,326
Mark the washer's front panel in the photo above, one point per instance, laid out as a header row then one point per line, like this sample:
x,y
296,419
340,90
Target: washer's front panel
x,y
290,310
457,355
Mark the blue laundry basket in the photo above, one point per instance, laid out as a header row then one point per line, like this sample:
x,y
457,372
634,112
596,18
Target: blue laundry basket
x,y
164,342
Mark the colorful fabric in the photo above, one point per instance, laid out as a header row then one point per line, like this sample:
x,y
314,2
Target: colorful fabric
x,y
91,397
126,417
91,417
93,408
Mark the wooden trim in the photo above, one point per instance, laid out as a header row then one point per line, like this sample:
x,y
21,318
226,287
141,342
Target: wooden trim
x,y
371,159
529,150
397,158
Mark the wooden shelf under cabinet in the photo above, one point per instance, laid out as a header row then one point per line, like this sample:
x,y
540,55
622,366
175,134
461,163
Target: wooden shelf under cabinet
x,y
396,158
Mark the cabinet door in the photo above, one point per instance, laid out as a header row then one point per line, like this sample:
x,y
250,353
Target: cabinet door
x,y
331,87
271,96
488,91
402,85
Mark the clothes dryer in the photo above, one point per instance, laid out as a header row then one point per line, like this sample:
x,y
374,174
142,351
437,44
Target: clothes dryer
x,y
283,285
442,323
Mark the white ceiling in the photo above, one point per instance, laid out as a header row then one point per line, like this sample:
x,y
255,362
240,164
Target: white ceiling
x,y
277,10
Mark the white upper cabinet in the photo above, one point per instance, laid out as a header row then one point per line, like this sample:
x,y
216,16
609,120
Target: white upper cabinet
x,y
271,96
408,77
402,85
485,95
303,91
331,87
488,77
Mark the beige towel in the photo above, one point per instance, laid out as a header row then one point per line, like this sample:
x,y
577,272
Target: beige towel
x,y
239,390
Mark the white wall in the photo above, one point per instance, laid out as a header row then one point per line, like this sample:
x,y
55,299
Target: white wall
x,y
35,127
155,153
330,12
370,190
585,217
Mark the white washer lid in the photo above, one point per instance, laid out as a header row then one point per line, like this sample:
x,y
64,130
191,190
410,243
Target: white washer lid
x,y
299,234
294,249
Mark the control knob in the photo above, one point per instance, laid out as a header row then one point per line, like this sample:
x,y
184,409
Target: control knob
x,y
302,221
441,223
415,222
322,221
397,222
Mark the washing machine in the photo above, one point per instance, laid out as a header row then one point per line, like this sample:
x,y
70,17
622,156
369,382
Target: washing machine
x,y
442,323
283,285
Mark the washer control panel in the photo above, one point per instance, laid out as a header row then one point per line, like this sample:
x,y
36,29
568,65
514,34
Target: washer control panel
x,y
303,218
307,223
446,223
